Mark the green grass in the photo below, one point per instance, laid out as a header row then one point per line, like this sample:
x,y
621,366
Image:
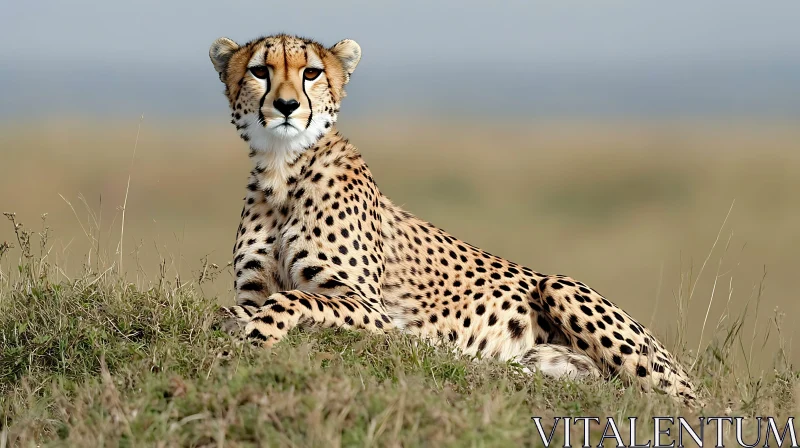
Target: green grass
x,y
95,361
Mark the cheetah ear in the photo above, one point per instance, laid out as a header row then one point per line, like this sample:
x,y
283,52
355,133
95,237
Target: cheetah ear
x,y
220,53
349,53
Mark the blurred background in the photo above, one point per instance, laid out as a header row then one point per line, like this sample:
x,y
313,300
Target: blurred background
x,y
651,150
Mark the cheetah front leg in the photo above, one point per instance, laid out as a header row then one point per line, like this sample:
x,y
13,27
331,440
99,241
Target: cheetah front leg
x,y
285,310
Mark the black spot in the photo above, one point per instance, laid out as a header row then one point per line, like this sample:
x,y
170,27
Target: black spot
x,y
252,286
582,344
480,310
332,283
300,255
252,264
310,272
255,334
492,319
543,323
278,308
266,319
606,342
573,322
641,371
516,328
626,349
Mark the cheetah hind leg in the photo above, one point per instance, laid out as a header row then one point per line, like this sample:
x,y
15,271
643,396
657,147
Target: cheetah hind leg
x,y
614,340
558,361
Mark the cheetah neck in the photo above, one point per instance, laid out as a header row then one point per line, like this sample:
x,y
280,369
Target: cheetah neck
x,y
275,171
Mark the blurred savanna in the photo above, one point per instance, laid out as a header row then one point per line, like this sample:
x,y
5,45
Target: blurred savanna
x,y
650,151
650,213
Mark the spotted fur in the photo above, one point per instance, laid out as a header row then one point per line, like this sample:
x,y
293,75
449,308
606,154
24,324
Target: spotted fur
x,y
319,244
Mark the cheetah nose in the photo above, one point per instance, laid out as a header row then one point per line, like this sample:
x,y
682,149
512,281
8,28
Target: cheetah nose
x,y
285,107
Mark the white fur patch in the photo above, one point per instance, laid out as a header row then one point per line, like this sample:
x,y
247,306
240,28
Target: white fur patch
x,y
286,142
559,362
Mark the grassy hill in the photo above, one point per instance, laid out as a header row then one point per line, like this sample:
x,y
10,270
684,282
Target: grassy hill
x,y
94,360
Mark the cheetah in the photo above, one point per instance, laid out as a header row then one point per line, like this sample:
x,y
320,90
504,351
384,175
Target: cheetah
x,y
318,244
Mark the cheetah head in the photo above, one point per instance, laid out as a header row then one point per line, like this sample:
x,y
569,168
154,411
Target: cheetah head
x,y
284,91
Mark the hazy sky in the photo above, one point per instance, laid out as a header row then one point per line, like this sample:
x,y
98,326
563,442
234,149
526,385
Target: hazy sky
x,y
583,55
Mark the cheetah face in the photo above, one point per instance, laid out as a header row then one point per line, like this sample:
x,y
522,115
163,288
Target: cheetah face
x,y
284,91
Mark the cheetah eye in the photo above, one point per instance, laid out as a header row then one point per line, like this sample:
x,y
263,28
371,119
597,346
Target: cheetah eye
x,y
260,71
311,74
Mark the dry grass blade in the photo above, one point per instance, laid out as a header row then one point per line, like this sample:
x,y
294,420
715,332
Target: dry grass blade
x,y
127,190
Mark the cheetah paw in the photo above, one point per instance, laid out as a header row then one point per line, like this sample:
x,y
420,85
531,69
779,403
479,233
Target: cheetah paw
x,y
230,322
